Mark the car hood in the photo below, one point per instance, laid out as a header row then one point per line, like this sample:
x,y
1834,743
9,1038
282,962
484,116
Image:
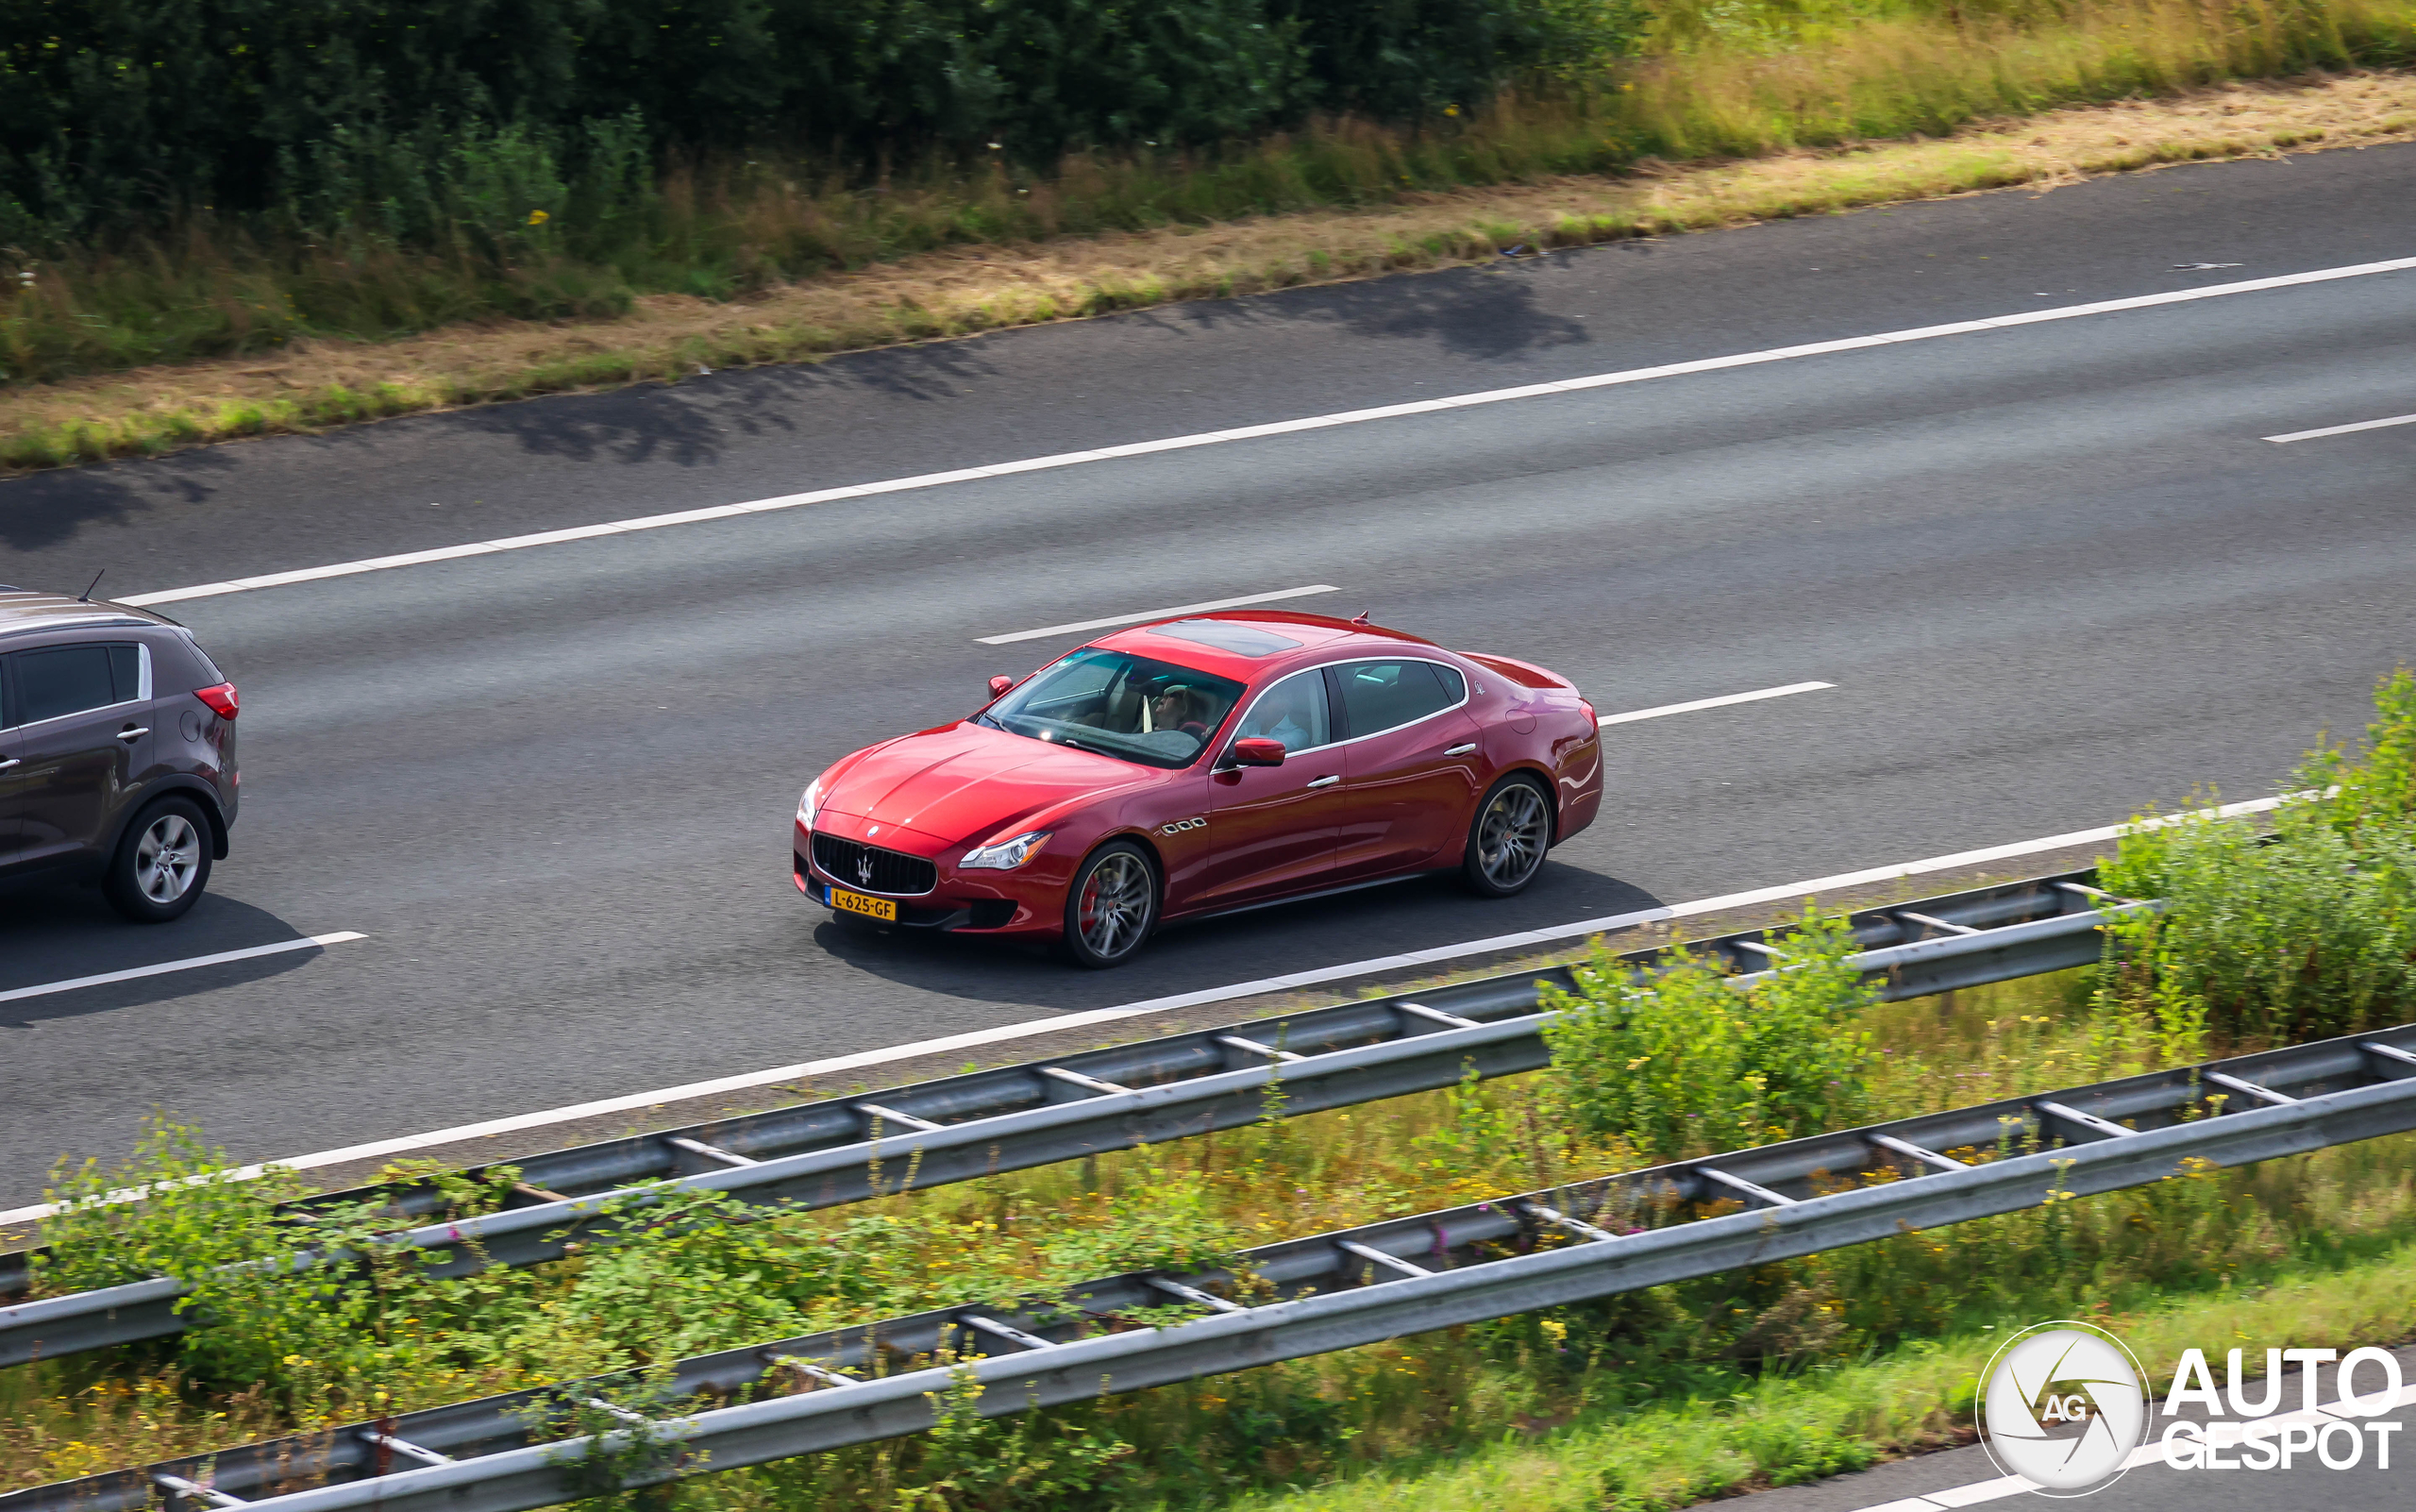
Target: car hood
x,y
967,782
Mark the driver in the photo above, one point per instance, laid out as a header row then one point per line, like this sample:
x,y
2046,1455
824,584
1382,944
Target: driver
x,y
1176,707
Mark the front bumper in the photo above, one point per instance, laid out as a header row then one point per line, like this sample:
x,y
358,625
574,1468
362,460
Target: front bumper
x,y
1009,904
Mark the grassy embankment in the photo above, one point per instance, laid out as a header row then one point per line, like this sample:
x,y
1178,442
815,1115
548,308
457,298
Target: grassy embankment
x,y
739,263
1776,1374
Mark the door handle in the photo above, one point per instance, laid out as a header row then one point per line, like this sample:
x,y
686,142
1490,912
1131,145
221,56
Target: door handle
x,y
10,762
134,732
1461,750
1325,781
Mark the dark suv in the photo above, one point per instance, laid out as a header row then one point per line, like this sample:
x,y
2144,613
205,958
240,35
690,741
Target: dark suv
x,y
117,752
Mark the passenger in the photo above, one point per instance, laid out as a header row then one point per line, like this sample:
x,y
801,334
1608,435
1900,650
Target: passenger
x,y
1286,720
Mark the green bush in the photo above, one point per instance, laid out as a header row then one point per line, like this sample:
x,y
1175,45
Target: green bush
x,y
1689,1064
2307,934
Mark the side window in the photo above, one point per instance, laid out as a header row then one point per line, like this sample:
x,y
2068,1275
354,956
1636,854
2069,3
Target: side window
x,y
1294,712
68,679
1456,687
125,672
1378,695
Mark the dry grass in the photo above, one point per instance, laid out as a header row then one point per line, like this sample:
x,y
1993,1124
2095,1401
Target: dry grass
x,y
319,383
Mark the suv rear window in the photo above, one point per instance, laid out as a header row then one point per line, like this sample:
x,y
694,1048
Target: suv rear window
x,y
65,679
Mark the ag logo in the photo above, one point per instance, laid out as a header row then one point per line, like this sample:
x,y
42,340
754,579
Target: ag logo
x,y
2062,1405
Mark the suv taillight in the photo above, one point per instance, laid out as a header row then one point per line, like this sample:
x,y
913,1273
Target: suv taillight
x,y
221,699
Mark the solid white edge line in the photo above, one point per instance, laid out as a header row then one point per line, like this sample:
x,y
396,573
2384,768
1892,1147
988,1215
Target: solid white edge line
x,y
975,1038
189,964
2343,431
1709,364
1158,613
1721,702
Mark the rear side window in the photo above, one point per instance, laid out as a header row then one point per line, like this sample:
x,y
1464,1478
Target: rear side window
x,y
66,680
1380,696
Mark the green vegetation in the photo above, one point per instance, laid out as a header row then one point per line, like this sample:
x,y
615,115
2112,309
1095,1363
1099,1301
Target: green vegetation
x,y
250,192
1778,1373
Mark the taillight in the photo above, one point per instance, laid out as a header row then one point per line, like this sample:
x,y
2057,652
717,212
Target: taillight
x,y
221,699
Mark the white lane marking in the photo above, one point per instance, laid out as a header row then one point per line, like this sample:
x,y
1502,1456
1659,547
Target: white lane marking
x,y
1721,702
2343,431
1210,438
975,1038
1158,613
189,964
2003,1486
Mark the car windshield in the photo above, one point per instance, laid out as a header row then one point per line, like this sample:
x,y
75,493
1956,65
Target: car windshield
x,y
1154,712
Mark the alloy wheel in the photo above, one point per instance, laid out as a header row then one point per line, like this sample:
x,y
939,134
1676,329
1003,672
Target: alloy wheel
x,y
1513,835
1115,905
167,858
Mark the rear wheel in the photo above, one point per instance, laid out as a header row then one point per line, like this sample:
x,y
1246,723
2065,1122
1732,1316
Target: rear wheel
x,y
163,862
1111,905
1508,837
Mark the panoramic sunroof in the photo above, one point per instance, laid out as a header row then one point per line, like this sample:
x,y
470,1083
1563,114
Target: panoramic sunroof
x,y
1242,640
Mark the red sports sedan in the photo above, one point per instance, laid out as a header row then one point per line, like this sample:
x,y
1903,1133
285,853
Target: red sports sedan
x,y
1195,766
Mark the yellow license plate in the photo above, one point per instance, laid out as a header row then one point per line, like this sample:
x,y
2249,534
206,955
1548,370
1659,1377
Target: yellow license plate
x,y
848,903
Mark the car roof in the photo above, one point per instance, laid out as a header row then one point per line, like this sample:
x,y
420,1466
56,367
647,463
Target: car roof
x,y
1314,636
22,611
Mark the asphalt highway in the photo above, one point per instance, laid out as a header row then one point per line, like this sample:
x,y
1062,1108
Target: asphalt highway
x,y
2053,571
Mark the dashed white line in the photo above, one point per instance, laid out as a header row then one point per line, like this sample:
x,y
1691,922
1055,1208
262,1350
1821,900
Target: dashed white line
x,y
949,1045
2343,431
1721,702
1210,438
189,964
1158,613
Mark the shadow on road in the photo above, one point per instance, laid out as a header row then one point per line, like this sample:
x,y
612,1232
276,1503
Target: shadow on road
x,y
693,422
1420,913
51,509
61,933
1487,314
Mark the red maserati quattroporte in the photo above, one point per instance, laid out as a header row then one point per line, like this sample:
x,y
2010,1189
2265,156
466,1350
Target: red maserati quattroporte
x,y
1194,766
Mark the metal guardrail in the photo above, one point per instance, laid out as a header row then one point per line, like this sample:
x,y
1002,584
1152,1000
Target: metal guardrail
x,y
829,1152
1334,1291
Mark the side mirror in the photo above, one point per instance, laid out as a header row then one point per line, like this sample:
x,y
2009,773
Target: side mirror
x,y
1000,685
1257,750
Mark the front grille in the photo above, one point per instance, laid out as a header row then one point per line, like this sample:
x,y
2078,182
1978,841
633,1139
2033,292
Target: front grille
x,y
901,876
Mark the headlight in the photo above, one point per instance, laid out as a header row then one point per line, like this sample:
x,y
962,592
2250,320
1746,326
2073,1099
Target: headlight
x,y
809,802
1006,855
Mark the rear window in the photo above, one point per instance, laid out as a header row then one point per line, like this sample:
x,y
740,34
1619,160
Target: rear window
x,y
211,675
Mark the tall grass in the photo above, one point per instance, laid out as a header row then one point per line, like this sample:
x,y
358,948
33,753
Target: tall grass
x,y
517,239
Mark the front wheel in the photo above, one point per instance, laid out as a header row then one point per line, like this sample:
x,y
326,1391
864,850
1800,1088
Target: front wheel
x,y
1111,905
1508,837
161,863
